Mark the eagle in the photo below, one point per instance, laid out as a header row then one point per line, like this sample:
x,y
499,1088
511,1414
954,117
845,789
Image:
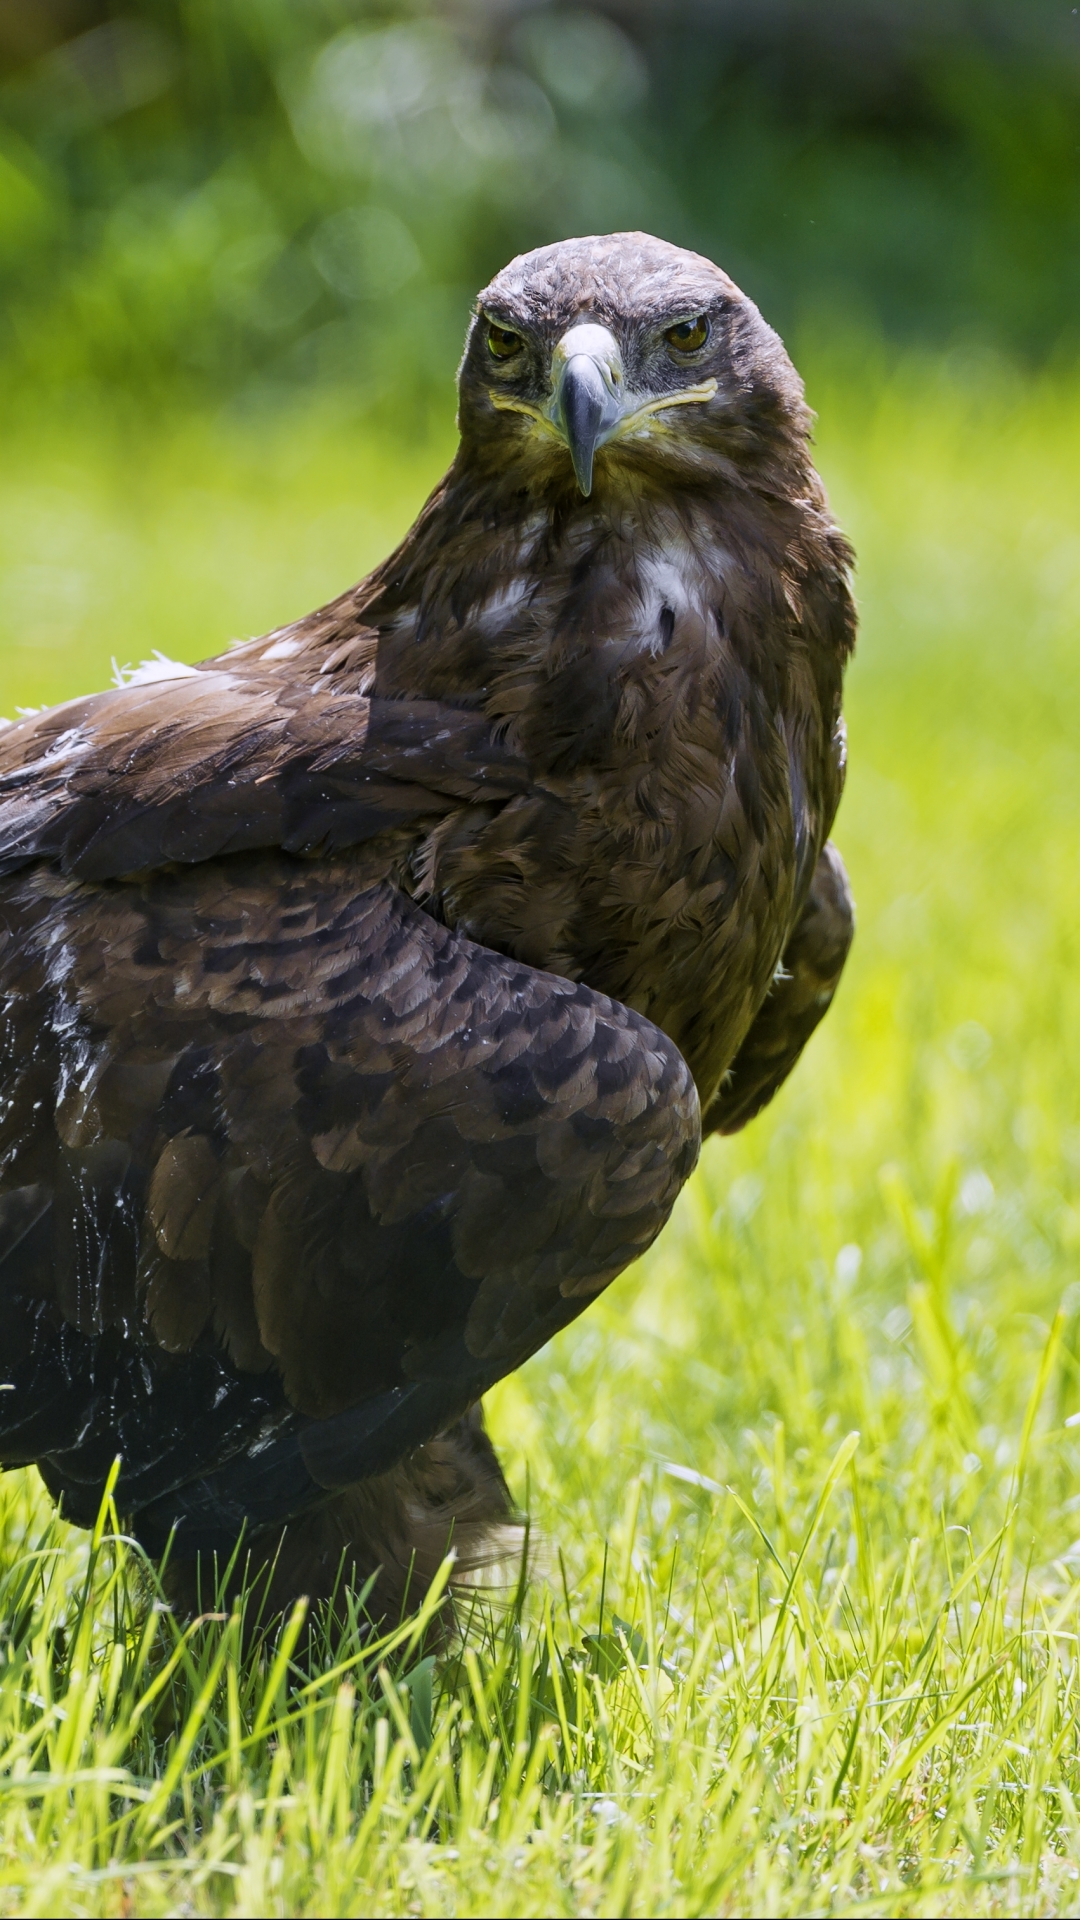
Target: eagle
x,y
366,990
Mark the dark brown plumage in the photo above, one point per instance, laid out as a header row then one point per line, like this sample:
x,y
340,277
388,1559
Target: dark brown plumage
x,y
365,990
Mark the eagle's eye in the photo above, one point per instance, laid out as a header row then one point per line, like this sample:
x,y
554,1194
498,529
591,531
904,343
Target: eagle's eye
x,y
688,335
503,342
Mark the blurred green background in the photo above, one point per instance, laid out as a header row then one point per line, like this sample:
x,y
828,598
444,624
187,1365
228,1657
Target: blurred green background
x,y
239,240
238,244
247,198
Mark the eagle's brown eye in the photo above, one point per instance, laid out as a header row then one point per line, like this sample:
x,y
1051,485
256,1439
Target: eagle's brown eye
x,y
503,343
689,335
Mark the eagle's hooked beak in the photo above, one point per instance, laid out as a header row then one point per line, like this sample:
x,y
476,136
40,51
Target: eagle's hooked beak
x,y
589,404
588,394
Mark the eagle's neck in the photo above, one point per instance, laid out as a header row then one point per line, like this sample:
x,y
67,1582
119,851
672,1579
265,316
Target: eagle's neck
x,y
489,594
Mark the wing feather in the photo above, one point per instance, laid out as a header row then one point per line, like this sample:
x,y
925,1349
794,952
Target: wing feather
x,y
812,963
215,762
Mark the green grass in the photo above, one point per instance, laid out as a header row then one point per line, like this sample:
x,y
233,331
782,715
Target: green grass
x,y
848,1671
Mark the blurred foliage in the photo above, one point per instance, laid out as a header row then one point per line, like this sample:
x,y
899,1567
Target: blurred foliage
x,y
250,196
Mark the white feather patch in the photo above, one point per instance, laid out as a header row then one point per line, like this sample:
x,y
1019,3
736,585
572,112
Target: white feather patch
x,y
158,667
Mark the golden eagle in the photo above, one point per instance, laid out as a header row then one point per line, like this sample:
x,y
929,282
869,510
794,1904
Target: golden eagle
x,y
366,990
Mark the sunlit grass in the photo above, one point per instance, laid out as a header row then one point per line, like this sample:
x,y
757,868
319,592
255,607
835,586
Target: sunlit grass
x,y
764,1667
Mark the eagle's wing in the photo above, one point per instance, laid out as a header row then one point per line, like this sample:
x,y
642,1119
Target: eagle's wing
x,y
291,1174
812,963
195,763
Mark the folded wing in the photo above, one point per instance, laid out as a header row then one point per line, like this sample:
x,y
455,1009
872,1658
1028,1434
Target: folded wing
x,y
292,1174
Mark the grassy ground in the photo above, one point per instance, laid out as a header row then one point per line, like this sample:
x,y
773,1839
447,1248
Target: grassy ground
x,y
805,1637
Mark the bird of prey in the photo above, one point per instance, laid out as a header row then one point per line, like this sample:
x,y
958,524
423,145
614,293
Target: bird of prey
x,y
366,990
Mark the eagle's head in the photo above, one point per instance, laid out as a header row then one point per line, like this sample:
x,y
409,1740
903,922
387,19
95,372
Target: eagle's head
x,y
621,357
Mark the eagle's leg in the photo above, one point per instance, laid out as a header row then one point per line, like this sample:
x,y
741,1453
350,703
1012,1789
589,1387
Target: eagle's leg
x,y
812,963
386,1536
